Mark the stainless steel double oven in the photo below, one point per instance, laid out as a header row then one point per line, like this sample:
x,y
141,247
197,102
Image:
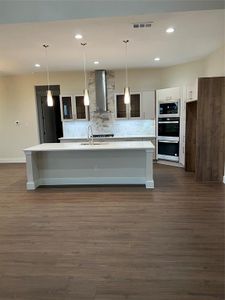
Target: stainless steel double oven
x,y
168,131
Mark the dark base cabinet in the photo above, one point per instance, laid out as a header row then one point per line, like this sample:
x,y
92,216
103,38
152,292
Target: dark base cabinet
x,y
210,129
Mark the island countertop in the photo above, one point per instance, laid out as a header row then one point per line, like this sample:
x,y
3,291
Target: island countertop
x,y
134,145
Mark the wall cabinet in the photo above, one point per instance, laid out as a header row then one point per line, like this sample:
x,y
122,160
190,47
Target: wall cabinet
x,y
191,92
128,111
73,108
148,105
142,106
169,94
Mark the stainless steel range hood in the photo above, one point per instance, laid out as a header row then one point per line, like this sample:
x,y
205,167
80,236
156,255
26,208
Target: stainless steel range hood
x,y
101,91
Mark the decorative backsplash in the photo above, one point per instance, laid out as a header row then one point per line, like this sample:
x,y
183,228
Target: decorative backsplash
x,y
117,127
106,123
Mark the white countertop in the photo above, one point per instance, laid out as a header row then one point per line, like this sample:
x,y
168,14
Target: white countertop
x,y
128,145
113,137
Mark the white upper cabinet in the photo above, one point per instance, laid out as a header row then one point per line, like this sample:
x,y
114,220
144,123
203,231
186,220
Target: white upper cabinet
x,y
73,108
128,111
192,92
168,94
142,106
148,105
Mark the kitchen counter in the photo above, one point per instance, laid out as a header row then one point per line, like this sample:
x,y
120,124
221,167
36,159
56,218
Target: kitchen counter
x,y
100,146
127,162
114,138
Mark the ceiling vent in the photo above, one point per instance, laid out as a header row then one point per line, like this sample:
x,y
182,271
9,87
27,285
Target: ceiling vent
x,y
142,25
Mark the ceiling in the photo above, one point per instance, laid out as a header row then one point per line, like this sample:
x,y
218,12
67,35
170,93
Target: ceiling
x,y
197,34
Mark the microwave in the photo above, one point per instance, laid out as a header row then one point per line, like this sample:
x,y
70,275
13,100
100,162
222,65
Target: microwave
x,y
169,108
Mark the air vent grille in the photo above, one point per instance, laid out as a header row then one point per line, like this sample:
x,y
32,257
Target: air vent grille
x,y
142,25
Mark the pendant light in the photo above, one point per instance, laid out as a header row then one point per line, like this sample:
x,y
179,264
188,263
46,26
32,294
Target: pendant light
x,y
49,92
127,89
86,95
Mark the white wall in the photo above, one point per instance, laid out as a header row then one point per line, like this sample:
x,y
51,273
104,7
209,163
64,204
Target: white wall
x,y
214,64
139,80
187,74
17,96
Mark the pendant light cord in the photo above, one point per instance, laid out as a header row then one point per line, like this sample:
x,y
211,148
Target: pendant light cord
x,y
47,67
126,73
84,60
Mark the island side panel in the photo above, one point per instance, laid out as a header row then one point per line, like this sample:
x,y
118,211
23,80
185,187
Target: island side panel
x,y
126,166
149,181
32,170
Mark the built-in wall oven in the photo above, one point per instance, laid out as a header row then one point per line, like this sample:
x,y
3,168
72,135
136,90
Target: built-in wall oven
x,y
168,138
169,127
168,149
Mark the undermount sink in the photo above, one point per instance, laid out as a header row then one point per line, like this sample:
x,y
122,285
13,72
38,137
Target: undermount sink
x,y
93,144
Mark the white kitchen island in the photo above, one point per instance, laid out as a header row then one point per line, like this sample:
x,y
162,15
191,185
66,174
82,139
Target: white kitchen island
x,y
129,162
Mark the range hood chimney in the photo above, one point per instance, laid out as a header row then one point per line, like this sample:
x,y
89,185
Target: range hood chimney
x,y
101,91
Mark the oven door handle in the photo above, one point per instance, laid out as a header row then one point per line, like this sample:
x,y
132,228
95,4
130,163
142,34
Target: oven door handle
x,y
168,122
173,142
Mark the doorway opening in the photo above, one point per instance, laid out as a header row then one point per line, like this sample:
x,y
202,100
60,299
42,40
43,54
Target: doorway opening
x,y
49,118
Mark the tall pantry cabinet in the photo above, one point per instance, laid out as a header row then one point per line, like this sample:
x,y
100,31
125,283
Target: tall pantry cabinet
x,y
210,150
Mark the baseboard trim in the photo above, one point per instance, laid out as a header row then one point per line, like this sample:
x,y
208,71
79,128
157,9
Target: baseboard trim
x,y
91,181
32,185
12,160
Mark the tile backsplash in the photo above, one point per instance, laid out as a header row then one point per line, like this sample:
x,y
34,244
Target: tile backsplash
x,y
117,127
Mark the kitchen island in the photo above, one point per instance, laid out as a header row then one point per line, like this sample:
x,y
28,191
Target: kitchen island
x,y
129,162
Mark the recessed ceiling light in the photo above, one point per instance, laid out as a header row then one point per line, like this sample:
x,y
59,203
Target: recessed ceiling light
x,y
96,62
170,30
37,65
78,36
157,59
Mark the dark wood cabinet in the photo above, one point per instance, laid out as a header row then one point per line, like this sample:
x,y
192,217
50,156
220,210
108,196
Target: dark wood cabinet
x,y
210,129
190,137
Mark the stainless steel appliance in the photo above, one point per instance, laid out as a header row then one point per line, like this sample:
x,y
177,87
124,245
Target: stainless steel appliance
x,y
168,108
168,127
168,148
168,138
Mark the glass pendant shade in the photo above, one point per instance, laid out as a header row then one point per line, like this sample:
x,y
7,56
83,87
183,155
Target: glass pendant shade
x,y
127,95
86,98
49,98
49,93
126,90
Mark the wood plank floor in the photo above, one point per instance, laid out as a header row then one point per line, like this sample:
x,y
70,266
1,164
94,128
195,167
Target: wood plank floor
x,y
112,243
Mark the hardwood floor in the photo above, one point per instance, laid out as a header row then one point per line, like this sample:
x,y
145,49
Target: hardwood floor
x,y
112,243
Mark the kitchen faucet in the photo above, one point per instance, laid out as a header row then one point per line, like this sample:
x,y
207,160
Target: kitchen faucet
x,y
90,135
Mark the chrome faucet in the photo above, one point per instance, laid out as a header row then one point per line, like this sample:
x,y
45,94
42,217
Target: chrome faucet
x,y
90,135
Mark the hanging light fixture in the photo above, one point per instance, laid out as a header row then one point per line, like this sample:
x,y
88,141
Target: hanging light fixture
x,y
86,95
127,89
49,92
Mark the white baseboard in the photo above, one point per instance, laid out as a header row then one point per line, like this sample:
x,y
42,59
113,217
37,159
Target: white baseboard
x,y
12,160
31,185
